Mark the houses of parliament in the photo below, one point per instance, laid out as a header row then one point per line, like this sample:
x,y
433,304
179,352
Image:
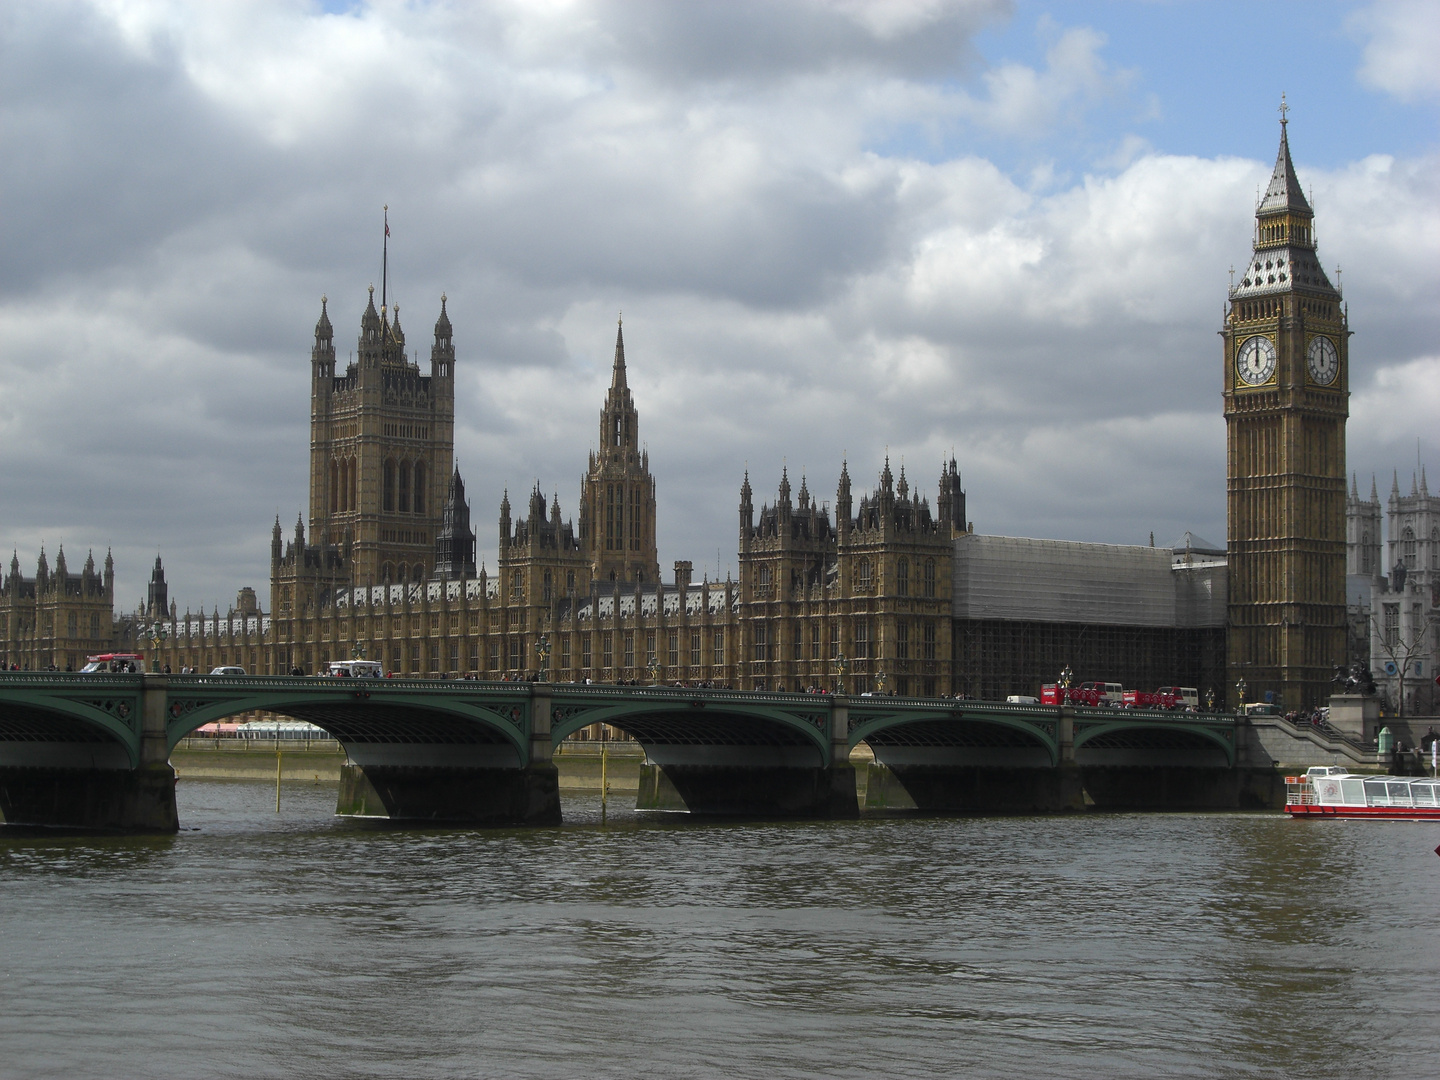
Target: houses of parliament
x,y
887,591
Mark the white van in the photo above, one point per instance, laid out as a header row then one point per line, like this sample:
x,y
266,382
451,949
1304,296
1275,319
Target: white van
x,y
356,669
1022,699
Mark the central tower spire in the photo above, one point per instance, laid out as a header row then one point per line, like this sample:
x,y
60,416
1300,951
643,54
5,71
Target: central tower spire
x,y
619,497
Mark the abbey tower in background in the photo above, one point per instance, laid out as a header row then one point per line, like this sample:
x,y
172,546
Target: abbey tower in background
x,y
1286,393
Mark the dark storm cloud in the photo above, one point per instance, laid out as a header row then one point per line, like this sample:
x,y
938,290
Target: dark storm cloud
x,y
182,183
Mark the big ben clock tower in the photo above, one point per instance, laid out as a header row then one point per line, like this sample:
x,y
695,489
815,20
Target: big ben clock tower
x,y
1286,400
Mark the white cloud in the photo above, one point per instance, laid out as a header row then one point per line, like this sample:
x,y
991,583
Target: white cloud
x,y
187,181
1402,50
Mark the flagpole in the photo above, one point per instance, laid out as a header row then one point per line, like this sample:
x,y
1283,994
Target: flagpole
x,y
385,261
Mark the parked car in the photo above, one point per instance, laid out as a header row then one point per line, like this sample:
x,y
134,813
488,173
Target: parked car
x,y
227,669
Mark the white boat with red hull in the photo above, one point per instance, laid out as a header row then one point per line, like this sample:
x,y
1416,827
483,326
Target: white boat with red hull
x,y
1329,791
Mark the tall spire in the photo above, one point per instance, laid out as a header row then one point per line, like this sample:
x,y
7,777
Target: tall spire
x,y
1283,192
617,375
385,259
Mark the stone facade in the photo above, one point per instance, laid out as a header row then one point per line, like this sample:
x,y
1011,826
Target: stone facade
x,y
1394,592
1286,392
57,618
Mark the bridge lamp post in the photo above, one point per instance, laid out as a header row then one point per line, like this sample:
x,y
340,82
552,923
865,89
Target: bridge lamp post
x,y
880,678
357,651
1210,699
542,649
1240,691
158,635
1066,678
842,668
654,669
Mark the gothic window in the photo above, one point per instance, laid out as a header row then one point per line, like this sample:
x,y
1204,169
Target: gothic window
x,y
565,651
902,640
607,649
815,641
609,517
929,577
387,572
619,430
694,648
1392,625
798,644
1435,549
419,487
334,486
1407,546
862,638
94,626
674,648
834,641
1365,551
517,590
403,503
629,641
717,645
418,573
928,650
863,576
388,499
902,578
73,624
635,518
762,580
350,503
569,581
639,576
546,588
761,641
586,656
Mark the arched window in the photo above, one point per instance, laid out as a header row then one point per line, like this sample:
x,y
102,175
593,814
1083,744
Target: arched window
x,y
863,576
929,577
517,586
763,580
350,490
1407,547
570,581
334,486
403,504
419,487
546,588
902,578
388,500
387,572
1435,549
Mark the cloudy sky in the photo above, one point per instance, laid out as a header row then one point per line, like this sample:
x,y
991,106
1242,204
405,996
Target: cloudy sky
x,y
835,227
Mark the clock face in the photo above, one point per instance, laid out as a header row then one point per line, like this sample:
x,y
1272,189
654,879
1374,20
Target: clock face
x,y
1255,362
1322,360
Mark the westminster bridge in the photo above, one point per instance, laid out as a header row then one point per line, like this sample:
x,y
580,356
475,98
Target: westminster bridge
x,y
92,750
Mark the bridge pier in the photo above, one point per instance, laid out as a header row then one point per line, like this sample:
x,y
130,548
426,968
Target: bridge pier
x,y
456,784
90,785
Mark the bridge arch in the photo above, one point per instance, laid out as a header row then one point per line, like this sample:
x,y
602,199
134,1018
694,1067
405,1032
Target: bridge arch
x,y
674,725
365,713
974,734
1152,741
88,722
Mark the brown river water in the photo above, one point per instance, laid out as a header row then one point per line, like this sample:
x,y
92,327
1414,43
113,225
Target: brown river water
x,y
298,945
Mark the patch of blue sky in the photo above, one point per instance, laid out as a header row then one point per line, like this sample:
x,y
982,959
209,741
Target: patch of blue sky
x,y
1183,77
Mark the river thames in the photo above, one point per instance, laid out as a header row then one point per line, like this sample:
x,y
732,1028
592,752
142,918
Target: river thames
x,y
299,945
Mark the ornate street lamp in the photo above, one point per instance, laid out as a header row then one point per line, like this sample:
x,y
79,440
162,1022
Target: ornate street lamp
x,y
654,669
1210,699
1240,690
542,649
158,634
842,668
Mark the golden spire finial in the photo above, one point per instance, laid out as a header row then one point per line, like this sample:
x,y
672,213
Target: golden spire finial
x,y
1284,108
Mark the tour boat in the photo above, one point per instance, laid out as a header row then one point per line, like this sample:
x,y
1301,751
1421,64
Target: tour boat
x,y
1327,791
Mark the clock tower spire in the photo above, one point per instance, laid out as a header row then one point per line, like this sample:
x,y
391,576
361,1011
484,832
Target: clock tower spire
x,y
1286,395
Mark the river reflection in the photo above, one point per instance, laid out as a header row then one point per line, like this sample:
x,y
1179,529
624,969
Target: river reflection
x,y
256,944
